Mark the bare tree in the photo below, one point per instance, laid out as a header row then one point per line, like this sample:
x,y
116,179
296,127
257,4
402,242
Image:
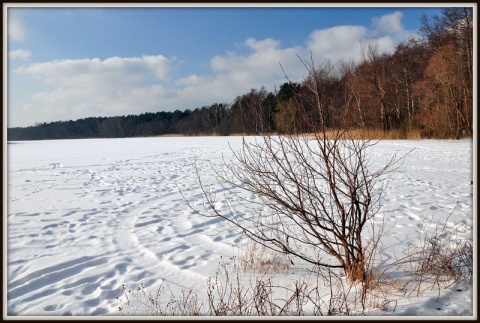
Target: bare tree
x,y
315,192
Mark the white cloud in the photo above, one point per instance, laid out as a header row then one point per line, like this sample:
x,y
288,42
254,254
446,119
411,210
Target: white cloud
x,y
94,87
16,30
113,71
390,23
261,66
265,56
191,80
19,54
262,45
389,29
342,42
386,44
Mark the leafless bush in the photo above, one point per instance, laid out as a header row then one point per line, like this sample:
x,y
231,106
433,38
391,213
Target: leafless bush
x,y
316,194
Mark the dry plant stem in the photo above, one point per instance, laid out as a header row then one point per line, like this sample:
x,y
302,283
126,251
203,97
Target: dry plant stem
x,y
443,259
228,294
439,259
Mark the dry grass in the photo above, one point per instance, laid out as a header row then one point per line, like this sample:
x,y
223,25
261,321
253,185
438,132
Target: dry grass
x,y
214,134
259,259
171,135
377,134
162,303
435,263
442,257
357,133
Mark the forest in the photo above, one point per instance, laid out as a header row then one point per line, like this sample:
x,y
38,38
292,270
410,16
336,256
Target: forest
x,y
425,85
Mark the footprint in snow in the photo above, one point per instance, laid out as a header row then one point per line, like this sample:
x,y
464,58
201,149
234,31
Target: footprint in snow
x,y
56,165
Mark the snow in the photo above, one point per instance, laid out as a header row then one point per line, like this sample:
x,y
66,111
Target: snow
x,y
85,217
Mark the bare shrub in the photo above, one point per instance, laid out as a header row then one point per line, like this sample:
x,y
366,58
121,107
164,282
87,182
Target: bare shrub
x,y
316,192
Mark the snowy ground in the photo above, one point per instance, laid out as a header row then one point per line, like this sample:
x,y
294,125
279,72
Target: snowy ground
x,y
86,216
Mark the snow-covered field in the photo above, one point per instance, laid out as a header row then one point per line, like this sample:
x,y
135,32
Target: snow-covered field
x,y
85,217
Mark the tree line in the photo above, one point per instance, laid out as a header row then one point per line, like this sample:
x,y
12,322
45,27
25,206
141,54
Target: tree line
x,y
426,84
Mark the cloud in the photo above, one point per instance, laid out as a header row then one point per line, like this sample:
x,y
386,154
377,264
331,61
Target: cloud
x,y
342,42
16,30
19,54
386,44
93,87
390,23
191,80
263,54
390,26
345,42
111,72
260,66
262,45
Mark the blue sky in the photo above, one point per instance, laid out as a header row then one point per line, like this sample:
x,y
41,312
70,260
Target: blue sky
x,y
70,63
